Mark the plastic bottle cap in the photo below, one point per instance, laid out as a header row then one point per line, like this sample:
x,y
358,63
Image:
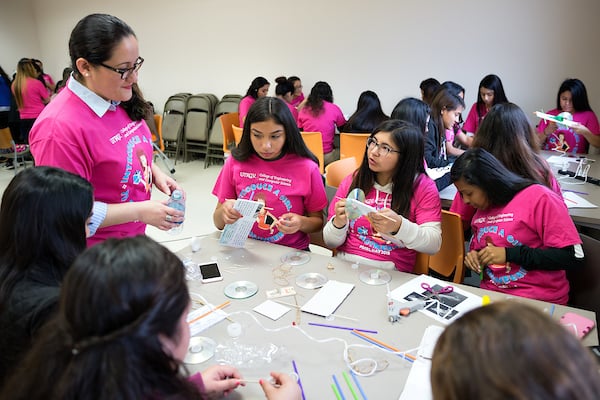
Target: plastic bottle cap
x,y
195,244
176,195
234,329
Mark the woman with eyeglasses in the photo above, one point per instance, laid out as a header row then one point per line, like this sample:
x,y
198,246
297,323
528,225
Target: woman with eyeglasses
x,y
393,180
95,127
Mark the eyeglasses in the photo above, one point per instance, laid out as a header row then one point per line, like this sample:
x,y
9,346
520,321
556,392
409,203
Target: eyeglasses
x,y
384,148
126,72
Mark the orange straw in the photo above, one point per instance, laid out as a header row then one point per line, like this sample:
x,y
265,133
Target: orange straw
x,y
207,313
387,346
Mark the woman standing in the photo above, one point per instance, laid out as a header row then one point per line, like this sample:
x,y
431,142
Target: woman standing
x,y
95,127
31,96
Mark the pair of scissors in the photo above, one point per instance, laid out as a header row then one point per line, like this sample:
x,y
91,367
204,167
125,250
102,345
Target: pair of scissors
x,y
435,293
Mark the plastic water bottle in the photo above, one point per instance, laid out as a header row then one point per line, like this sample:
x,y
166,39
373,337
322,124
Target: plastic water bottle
x,y
177,202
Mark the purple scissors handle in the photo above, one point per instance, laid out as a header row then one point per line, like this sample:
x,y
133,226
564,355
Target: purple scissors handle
x,y
446,289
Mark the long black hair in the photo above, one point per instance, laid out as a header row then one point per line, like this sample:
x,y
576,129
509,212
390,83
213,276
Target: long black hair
x,y
94,39
410,143
43,215
579,95
256,84
368,114
479,168
272,108
117,301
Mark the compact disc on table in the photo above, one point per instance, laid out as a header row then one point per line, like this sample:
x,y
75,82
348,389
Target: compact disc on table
x,y
241,289
201,349
295,258
375,277
311,280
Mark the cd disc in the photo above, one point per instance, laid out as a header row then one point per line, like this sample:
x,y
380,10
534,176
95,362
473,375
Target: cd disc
x,y
295,258
201,349
311,280
241,289
375,277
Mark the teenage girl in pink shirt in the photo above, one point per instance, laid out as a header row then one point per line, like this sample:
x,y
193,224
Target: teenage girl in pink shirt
x,y
523,237
490,92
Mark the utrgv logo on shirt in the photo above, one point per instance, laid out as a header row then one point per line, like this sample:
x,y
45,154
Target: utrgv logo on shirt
x,y
249,175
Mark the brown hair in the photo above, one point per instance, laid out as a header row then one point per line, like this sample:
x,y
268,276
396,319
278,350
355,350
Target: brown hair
x,y
509,350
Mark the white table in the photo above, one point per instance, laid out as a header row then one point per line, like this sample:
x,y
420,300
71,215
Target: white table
x,y
317,362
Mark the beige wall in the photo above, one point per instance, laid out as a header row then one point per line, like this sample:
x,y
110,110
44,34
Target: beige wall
x,y
387,46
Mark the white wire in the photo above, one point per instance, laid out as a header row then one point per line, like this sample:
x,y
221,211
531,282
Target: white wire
x,y
350,364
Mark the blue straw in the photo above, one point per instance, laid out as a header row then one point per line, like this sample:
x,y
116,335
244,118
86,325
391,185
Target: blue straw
x,y
360,389
337,384
299,381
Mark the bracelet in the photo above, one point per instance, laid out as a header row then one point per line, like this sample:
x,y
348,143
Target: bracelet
x,y
333,223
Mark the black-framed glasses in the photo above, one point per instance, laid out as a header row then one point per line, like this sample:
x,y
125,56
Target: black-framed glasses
x,y
384,148
126,72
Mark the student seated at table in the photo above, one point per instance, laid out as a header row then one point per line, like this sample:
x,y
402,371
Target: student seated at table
x,y
571,99
368,114
272,164
121,333
44,216
509,350
257,89
523,237
507,134
320,114
489,93
393,179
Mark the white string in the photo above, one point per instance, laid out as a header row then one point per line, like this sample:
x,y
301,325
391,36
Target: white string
x,y
350,364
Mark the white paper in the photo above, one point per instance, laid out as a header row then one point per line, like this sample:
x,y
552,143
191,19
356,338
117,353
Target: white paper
x,y
205,322
449,192
358,208
418,383
235,234
328,298
436,173
573,200
271,309
451,306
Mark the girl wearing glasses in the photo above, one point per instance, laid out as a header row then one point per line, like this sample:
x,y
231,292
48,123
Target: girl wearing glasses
x,y
392,177
521,247
95,128
273,165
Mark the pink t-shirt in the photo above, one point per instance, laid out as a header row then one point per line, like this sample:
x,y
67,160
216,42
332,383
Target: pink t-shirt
x,y
326,122
293,111
289,184
425,207
473,120
538,224
113,152
297,100
449,136
466,211
34,95
244,106
566,139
